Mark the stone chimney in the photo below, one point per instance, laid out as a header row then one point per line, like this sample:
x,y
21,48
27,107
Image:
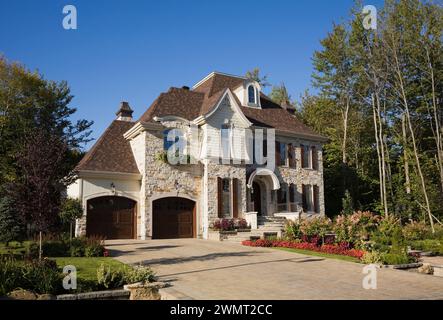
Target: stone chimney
x,y
124,113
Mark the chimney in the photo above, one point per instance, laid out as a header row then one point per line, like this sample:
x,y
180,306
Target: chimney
x,y
124,113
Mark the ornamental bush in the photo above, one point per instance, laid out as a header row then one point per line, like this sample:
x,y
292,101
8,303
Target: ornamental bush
x,y
415,231
316,227
356,227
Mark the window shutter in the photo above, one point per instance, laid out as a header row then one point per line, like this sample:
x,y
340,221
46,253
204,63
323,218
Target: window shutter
x,y
291,154
302,153
277,153
220,196
304,202
314,158
316,202
292,193
235,197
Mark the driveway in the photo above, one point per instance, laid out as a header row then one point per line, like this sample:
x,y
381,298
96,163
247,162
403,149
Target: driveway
x,y
204,269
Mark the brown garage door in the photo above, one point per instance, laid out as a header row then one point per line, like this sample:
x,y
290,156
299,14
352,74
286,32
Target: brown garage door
x,y
173,217
111,217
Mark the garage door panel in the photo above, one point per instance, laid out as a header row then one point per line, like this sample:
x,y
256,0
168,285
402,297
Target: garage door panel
x,y
111,217
173,217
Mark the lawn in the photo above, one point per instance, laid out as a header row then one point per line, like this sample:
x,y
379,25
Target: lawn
x,y
320,254
86,266
14,247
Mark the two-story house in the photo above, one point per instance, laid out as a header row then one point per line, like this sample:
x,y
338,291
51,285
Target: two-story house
x,y
129,189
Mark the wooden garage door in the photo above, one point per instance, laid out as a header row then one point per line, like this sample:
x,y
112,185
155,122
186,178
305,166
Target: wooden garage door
x,y
111,217
173,217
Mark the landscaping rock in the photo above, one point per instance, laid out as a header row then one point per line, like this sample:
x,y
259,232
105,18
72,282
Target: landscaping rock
x,y
46,297
22,294
148,291
426,268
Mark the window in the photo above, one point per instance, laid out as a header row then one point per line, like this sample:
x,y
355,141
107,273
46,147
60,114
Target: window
x,y
166,143
309,157
226,141
228,203
280,153
310,198
291,155
282,198
251,95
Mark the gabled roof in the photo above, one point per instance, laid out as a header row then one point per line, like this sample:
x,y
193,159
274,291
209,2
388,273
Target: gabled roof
x,y
111,152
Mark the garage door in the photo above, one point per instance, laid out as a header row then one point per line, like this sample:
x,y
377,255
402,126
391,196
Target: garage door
x,y
173,217
111,218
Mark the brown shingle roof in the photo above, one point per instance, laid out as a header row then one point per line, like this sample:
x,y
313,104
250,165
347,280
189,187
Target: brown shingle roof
x,y
111,152
190,104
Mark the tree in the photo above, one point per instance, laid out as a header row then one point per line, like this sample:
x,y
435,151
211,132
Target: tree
x,y
29,102
279,94
42,167
255,75
71,209
11,226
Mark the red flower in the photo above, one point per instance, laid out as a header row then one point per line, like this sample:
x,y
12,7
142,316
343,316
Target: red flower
x,y
106,253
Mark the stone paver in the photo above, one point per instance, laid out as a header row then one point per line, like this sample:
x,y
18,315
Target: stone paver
x,y
204,269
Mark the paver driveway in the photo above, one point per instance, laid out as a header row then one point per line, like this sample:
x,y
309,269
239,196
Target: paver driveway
x,y
203,269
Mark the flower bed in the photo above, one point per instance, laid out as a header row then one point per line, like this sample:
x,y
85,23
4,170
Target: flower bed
x,y
340,249
230,224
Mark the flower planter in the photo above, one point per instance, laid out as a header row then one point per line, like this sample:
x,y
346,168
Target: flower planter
x,y
403,266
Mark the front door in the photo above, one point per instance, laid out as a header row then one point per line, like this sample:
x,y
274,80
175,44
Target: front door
x,y
256,197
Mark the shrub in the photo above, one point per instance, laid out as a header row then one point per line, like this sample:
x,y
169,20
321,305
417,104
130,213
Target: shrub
x,y
55,248
138,274
415,231
94,251
316,227
395,258
292,230
356,227
38,276
109,278
224,224
432,245
372,257
382,236
240,223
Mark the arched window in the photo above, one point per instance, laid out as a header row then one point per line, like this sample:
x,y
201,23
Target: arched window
x,y
251,95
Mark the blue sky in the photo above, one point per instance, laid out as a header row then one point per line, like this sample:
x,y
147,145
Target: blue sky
x,y
134,50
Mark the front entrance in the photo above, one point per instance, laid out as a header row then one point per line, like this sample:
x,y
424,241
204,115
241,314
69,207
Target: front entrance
x,y
173,217
256,197
111,217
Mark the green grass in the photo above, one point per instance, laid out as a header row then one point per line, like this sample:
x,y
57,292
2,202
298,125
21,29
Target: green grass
x,y
14,247
320,254
86,266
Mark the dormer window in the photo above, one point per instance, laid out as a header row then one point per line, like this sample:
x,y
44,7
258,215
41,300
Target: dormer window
x,y
252,97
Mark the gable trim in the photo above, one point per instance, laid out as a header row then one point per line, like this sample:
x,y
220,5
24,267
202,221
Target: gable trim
x,y
236,107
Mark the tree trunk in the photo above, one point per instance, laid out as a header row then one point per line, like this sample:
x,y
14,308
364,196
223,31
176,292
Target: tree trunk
x,y
380,176
345,131
411,130
405,155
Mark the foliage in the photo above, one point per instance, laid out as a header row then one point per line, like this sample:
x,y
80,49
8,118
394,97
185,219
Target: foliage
x,y
30,103
77,247
415,231
255,75
356,227
372,257
292,230
395,258
347,204
316,227
37,276
109,277
139,274
428,245
326,248
229,224
11,226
